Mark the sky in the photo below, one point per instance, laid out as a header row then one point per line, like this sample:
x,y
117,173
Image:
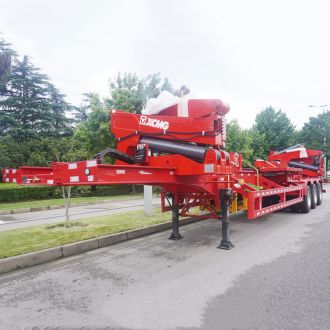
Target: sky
x,y
251,54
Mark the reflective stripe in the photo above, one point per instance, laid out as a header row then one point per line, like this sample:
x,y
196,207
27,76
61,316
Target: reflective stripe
x,y
74,178
91,163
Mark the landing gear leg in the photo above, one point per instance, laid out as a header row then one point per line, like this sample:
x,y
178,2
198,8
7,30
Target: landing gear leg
x,y
175,236
225,243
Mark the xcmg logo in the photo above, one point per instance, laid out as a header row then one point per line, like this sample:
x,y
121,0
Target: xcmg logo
x,y
164,125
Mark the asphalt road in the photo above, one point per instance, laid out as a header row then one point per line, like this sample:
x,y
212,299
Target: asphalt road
x,y
277,277
20,220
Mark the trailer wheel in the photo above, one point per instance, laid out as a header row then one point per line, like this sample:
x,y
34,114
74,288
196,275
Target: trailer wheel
x,y
307,202
314,196
318,193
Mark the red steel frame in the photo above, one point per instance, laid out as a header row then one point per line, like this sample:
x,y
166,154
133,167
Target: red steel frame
x,y
212,183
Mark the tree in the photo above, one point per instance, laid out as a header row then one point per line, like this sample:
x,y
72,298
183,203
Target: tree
x,y
238,139
130,93
127,93
249,142
60,123
80,113
31,106
93,135
6,55
316,132
276,128
296,137
258,146
35,152
33,115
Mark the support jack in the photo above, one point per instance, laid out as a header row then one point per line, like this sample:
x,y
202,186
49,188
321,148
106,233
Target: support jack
x,y
225,243
175,236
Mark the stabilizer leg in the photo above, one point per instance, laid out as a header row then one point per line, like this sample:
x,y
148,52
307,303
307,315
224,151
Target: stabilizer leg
x,y
175,236
225,243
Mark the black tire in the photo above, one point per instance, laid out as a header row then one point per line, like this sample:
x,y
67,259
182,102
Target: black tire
x,y
314,196
305,205
318,193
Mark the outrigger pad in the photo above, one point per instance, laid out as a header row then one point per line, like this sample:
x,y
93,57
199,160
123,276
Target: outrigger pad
x,y
226,245
175,237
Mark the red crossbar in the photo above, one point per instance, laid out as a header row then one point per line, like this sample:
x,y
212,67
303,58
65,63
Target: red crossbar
x,y
255,208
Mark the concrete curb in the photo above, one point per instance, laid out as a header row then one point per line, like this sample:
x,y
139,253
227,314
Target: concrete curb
x,y
24,210
61,206
55,207
39,257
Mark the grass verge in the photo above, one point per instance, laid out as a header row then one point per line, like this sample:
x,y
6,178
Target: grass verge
x,y
19,241
60,201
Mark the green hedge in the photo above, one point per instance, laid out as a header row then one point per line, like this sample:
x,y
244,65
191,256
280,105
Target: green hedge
x,y
24,193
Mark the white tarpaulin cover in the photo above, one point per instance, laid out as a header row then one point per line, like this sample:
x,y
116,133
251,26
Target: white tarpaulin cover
x,y
165,100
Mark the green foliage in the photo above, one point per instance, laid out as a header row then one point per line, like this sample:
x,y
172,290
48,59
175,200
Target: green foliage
x,y
259,148
6,55
249,142
127,93
34,152
296,137
28,193
30,106
316,132
80,113
273,130
276,128
93,135
113,190
34,126
238,139
130,93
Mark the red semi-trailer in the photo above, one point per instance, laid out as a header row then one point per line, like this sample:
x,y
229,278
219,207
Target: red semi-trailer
x,y
186,157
